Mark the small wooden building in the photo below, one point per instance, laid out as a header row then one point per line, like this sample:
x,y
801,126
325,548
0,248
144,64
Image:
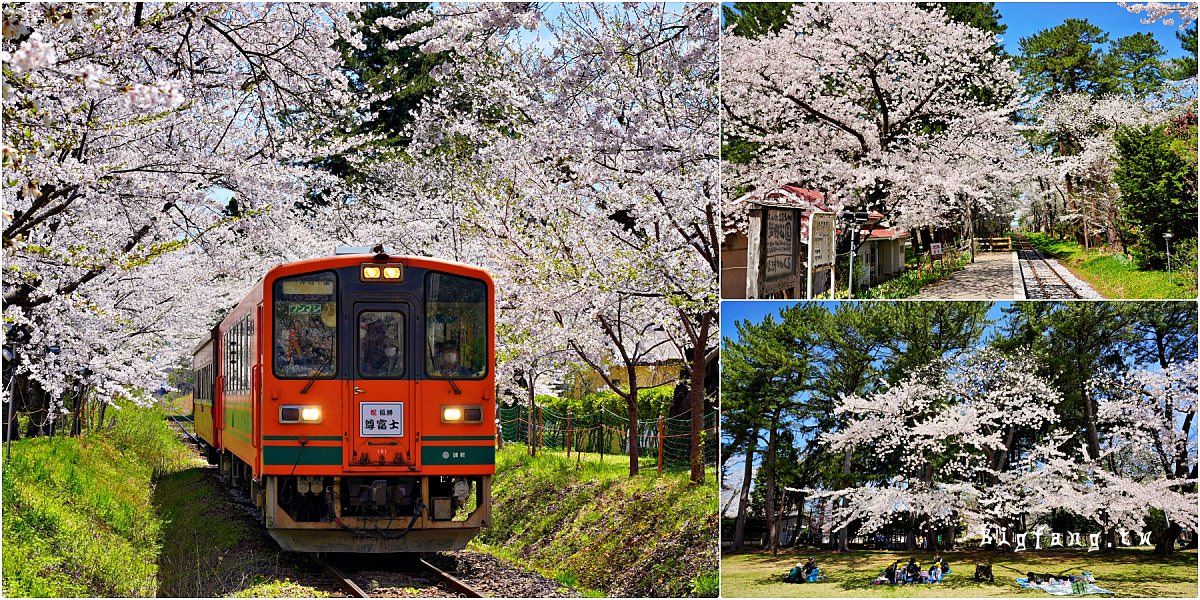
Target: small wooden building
x,y
783,216
881,250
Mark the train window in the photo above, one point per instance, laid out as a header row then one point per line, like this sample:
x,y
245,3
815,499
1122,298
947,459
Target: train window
x,y
456,327
305,330
380,344
238,341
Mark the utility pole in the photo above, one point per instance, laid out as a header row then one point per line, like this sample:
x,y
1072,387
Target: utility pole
x,y
1168,235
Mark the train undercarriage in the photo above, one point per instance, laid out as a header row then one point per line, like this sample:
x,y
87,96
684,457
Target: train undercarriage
x,y
366,513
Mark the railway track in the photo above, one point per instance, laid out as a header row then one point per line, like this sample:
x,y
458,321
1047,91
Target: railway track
x,y
179,421
453,585
1041,280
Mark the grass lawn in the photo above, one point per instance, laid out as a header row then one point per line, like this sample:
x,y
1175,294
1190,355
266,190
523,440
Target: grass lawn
x,y
1113,275
1127,572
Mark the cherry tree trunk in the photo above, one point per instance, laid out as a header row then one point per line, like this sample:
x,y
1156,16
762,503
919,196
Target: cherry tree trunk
x,y
632,400
696,392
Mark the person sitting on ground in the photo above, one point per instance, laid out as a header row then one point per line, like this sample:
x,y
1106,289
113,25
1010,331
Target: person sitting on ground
x,y
890,572
935,572
796,575
945,568
809,567
913,570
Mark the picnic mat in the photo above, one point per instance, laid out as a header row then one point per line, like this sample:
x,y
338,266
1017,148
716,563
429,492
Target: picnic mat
x,y
1061,589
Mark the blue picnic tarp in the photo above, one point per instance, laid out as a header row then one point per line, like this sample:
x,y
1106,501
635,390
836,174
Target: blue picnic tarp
x,y
1062,588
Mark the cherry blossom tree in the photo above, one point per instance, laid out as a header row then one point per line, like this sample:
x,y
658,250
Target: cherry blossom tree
x,y
880,106
945,435
1151,449
151,157
1080,182
577,156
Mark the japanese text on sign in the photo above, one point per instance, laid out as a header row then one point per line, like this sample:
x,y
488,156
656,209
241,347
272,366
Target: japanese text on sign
x,y
381,419
822,228
780,244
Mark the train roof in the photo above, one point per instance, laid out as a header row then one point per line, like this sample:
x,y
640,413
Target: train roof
x,y
344,260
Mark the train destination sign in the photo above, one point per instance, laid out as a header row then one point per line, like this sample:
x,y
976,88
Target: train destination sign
x,y
300,287
381,419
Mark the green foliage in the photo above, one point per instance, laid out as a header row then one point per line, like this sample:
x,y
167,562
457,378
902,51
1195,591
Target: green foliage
x,y
78,514
279,589
1183,68
580,524
1136,62
980,15
1158,190
1066,58
756,19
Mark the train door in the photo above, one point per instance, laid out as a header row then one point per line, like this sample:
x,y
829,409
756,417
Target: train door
x,y
382,413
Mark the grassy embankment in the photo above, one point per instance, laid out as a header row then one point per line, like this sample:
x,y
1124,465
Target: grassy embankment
x,y
128,512
1127,572
79,518
1114,275
589,525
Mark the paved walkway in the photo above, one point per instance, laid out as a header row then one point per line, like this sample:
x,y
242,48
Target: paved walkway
x,y
993,276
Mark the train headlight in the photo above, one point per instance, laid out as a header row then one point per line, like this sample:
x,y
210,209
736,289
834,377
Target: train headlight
x,y
299,414
462,414
380,272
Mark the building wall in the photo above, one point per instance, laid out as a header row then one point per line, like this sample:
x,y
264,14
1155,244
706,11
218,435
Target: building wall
x,y
733,266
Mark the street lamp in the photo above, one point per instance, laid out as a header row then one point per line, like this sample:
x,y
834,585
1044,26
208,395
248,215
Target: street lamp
x,y
1168,235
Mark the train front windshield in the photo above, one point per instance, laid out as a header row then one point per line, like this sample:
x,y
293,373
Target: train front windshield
x,y
306,326
456,327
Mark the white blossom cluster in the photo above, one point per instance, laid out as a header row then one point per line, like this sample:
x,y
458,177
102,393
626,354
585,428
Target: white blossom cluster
x,y
574,156
164,95
840,101
969,408
127,130
34,54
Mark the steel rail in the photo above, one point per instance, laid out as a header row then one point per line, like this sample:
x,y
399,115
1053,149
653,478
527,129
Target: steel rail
x,y
1029,250
454,583
345,582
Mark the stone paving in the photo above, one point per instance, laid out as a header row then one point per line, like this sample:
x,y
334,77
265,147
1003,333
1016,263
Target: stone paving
x,y
993,276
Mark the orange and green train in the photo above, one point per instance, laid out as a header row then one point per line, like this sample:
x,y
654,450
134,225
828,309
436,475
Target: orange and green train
x,y
353,398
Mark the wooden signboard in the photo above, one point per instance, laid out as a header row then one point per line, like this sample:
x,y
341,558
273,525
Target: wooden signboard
x,y
773,259
822,250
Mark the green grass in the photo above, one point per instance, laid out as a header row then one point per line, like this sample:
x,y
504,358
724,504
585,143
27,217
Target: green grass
x,y
910,282
1115,276
78,516
1127,572
585,521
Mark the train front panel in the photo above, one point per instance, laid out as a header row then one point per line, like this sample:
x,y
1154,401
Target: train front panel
x,y
378,410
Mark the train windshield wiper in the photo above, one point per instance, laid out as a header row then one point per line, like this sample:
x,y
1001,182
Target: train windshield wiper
x,y
316,374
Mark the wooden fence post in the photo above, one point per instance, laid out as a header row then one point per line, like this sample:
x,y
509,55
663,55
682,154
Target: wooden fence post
x,y
660,444
540,414
568,433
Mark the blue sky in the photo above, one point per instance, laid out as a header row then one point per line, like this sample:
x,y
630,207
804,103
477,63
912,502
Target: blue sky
x,y
1027,18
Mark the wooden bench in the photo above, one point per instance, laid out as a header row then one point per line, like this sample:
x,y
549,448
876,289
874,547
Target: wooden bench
x,y
1001,244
